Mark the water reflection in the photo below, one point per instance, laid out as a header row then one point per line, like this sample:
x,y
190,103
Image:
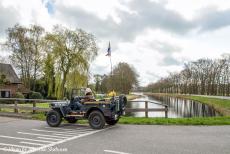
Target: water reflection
x,y
177,108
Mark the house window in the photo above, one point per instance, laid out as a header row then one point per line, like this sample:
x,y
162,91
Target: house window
x,y
5,94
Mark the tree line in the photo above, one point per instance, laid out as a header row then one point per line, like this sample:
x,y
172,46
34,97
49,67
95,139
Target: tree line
x,y
122,80
204,77
51,62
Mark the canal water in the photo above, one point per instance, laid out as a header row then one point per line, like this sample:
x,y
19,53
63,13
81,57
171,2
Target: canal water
x,y
177,107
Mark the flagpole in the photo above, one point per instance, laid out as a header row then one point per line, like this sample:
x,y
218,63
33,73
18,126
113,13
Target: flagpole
x,y
111,65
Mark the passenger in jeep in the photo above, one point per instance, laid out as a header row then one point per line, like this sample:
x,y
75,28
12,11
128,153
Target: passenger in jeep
x,y
88,96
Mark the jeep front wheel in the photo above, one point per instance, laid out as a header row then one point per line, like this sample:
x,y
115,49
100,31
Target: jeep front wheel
x,y
96,120
53,118
112,122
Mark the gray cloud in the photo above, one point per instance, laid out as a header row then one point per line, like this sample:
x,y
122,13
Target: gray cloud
x,y
152,74
98,69
169,60
164,47
8,17
167,50
154,15
212,19
148,14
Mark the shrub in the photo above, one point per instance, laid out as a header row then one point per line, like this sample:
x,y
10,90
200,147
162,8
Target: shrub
x,y
51,97
19,95
35,95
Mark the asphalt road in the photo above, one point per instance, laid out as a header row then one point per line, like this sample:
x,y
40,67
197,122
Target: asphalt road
x,y
30,136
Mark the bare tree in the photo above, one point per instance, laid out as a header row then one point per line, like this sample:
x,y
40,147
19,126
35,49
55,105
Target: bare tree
x,y
204,76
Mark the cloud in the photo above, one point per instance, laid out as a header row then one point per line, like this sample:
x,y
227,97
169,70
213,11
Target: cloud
x,y
138,16
169,61
141,15
148,34
167,51
8,17
150,14
82,19
164,47
213,19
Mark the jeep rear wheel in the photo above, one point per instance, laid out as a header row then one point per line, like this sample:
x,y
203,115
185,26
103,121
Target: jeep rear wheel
x,y
71,120
112,122
96,120
53,118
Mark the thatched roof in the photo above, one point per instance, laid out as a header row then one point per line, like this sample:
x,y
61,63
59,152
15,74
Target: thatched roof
x,y
9,72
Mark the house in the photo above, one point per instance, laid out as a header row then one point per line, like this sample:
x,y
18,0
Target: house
x,y
9,81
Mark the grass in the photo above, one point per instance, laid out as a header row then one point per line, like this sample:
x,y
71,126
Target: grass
x,y
220,105
132,96
176,121
41,105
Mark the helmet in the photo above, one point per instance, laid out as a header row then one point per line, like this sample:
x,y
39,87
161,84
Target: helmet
x,y
88,90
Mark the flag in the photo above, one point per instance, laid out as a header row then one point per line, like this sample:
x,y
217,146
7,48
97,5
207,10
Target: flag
x,y
109,51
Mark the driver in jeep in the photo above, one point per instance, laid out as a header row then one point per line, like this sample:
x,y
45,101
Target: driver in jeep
x,y
77,104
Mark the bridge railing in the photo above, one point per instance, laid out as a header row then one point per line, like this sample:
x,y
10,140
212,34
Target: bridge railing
x,y
19,104
147,109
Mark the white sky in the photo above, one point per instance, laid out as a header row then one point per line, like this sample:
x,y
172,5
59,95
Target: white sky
x,y
156,37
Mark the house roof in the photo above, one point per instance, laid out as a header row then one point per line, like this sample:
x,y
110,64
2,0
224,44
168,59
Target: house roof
x,y
9,72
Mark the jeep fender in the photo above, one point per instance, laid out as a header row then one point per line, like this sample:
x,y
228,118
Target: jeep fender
x,y
60,110
93,109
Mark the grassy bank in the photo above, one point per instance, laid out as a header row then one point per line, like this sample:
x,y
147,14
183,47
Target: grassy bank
x,y
176,121
132,96
220,105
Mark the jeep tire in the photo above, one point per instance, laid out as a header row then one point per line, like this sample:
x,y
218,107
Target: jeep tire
x,y
71,120
53,118
112,122
96,120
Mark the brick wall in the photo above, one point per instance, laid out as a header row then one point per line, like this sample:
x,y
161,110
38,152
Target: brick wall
x,y
13,88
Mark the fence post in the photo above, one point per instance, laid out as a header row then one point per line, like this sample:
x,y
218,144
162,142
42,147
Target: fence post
x,y
15,106
166,111
146,109
34,105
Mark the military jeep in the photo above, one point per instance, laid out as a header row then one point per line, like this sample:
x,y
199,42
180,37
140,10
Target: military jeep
x,y
98,112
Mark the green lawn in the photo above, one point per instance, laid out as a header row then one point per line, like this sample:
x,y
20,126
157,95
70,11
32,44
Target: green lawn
x,y
176,121
132,96
41,105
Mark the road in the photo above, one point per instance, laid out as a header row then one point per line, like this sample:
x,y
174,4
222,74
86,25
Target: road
x,y
31,136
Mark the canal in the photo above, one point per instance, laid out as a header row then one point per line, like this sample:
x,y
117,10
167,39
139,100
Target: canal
x,y
178,107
